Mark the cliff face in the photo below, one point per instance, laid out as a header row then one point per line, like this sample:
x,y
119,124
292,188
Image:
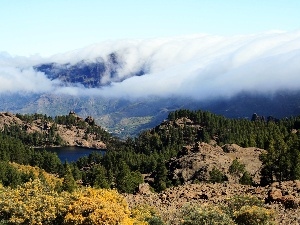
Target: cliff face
x,y
74,136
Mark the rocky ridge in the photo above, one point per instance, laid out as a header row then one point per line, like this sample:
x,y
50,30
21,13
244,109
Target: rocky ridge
x,y
196,162
71,135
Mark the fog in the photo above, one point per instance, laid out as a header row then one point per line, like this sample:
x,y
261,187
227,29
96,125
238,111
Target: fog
x,y
200,66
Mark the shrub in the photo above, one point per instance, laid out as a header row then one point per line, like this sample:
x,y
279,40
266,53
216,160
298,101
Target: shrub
x,y
246,179
236,167
155,221
216,176
35,203
146,213
32,203
98,206
237,202
195,215
254,215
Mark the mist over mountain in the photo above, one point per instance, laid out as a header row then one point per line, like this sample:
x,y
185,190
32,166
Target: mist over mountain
x,y
138,82
94,74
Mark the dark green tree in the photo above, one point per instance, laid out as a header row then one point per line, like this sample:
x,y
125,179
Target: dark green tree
x,y
216,176
100,177
69,183
246,179
160,179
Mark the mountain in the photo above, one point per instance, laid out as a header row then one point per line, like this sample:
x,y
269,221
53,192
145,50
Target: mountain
x,y
99,73
125,117
131,85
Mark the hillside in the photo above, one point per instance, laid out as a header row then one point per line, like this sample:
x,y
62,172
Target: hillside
x,y
69,130
283,198
195,164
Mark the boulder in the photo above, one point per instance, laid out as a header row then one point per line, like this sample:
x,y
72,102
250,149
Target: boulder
x,y
144,189
274,194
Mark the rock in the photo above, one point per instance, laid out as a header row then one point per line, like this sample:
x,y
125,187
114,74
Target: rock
x,y
275,185
204,196
289,202
274,194
297,185
144,189
167,203
8,114
230,148
90,120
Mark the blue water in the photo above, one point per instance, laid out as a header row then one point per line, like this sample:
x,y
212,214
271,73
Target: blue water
x,y
71,154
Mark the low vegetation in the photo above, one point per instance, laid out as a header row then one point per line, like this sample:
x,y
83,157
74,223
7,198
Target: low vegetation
x,y
239,210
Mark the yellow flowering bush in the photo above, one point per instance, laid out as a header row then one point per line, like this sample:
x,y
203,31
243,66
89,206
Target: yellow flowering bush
x,y
235,203
98,206
254,215
36,204
51,180
32,203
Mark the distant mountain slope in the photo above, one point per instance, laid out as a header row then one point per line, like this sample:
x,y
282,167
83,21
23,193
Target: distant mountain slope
x,y
90,74
128,117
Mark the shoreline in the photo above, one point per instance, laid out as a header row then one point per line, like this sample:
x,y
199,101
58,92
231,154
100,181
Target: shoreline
x,y
68,146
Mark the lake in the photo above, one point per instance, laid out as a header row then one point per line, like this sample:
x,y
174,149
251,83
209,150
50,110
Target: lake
x,y
71,154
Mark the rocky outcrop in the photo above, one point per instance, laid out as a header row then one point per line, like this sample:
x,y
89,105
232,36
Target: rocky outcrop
x,y
194,163
74,136
90,120
7,118
71,135
287,193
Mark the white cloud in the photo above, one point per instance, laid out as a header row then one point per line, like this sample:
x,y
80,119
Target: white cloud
x,y
201,66
14,80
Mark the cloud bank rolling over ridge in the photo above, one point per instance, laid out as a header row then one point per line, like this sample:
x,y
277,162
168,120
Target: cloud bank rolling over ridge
x,y
199,66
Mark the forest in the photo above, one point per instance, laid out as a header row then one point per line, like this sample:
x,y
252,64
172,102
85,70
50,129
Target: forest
x,y
126,161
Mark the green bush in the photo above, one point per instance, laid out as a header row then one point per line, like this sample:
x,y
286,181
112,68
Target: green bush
x,y
236,167
254,215
155,220
195,215
246,179
235,203
240,210
216,176
3,222
146,213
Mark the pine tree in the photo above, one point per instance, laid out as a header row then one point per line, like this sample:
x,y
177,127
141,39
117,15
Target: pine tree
x,y
69,183
100,177
160,179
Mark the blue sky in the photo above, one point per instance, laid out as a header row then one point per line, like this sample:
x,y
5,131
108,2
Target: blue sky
x,y
47,27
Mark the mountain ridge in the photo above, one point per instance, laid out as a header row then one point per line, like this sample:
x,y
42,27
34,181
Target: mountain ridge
x,y
128,117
